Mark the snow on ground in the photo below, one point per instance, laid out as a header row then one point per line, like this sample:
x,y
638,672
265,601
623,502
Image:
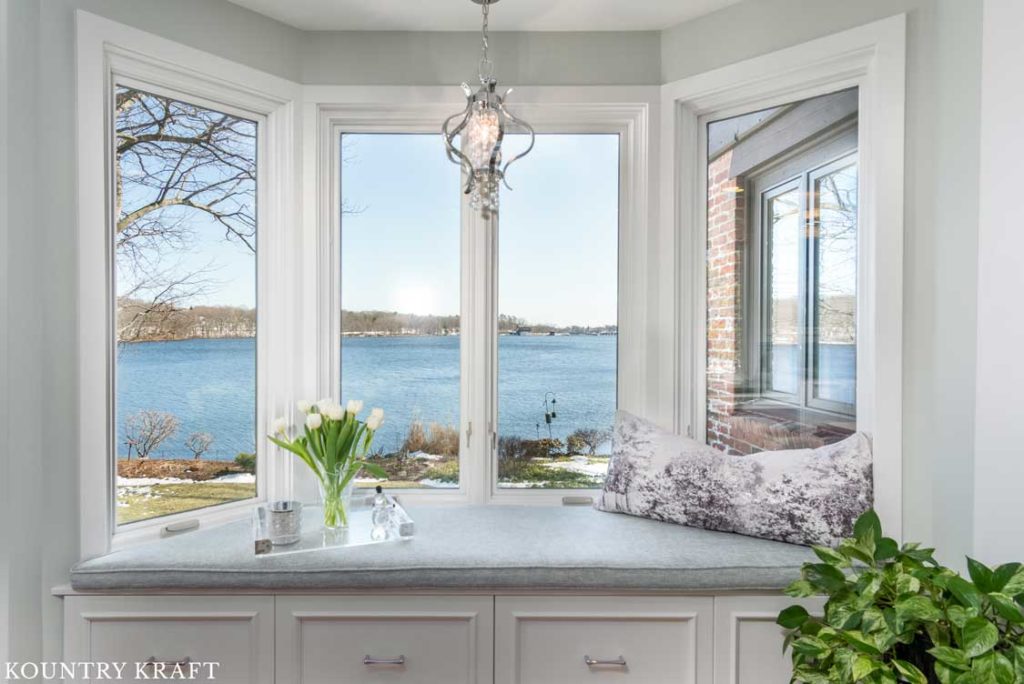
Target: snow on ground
x,y
581,464
234,478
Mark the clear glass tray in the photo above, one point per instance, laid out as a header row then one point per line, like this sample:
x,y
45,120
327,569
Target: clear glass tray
x,y
315,537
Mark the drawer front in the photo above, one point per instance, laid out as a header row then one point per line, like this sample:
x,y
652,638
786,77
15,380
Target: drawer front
x,y
416,639
235,633
565,640
748,643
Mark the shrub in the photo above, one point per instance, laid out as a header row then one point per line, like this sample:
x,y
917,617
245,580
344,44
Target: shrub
x,y
511,447
247,462
438,439
524,470
542,448
443,471
587,440
895,615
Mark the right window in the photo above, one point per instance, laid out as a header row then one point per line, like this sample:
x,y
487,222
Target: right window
x,y
782,276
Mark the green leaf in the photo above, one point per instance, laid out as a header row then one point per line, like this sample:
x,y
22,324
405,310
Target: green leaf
x,y
1015,585
980,636
863,666
853,550
868,527
860,642
980,574
1002,575
907,584
800,589
1006,607
918,608
792,617
824,576
374,469
965,592
958,615
1017,653
809,645
910,672
952,657
886,548
831,556
993,667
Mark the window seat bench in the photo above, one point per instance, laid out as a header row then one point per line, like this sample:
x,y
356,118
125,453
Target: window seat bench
x,y
465,547
481,595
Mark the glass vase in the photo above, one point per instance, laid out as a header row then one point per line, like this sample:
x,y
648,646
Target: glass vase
x,y
335,498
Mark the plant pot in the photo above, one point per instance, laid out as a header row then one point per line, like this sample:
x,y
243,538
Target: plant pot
x,y
335,499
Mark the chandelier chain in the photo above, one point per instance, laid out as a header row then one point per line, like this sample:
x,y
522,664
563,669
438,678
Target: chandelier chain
x,y
486,70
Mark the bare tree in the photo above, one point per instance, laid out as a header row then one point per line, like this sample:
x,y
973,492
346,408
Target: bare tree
x,y
175,161
146,430
199,443
589,438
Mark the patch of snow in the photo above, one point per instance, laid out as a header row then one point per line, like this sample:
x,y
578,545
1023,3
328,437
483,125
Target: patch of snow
x,y
240,478
424,456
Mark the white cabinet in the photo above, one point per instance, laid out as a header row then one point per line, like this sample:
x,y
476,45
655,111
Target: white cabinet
x,y
748,643
569,639
438,638
236,632
364,639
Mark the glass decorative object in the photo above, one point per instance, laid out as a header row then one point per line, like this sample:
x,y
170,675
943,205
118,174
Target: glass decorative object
x,y
284,522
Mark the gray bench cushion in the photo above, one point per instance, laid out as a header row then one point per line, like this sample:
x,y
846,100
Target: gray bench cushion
x,y
465,547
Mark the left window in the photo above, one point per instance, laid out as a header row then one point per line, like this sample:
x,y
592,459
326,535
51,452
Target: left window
x,y
184,248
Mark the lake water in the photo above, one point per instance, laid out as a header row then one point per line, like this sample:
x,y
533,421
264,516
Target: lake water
x,y
210,384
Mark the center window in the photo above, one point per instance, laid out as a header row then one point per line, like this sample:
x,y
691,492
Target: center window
x,y
404,260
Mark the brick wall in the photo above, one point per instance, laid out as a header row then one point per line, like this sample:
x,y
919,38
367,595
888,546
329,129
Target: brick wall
x,y
727,230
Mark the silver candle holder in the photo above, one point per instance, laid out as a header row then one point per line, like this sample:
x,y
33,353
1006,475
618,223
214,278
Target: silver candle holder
x,y
284,522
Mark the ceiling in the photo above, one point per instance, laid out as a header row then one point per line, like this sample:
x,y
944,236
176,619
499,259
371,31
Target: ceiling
x,y
462,15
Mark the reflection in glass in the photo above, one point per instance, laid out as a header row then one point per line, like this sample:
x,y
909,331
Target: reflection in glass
x,y
836,285
784,287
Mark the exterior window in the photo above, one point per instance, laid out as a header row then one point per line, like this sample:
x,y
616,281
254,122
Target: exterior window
x,y
185,270
557,298
782,276
400,301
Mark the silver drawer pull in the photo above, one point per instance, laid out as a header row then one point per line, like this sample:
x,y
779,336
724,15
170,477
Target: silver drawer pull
x,y
370,660
165,665
591,662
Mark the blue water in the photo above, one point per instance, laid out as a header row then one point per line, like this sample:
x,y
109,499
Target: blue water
x,y
209,385
836,371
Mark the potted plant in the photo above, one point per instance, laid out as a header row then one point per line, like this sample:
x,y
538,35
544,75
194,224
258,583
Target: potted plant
x,y
333,443
894,614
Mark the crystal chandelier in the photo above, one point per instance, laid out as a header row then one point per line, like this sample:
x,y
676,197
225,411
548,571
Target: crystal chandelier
x,y
482,125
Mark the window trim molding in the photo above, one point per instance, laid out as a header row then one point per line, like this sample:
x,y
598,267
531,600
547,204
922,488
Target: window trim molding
x,y
625,110
872,58
107,50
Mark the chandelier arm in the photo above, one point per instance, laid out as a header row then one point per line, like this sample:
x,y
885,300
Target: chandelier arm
x,y
494,162
533,137
455,154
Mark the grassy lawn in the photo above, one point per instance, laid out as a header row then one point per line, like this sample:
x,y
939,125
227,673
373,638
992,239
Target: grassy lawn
x,y
136,503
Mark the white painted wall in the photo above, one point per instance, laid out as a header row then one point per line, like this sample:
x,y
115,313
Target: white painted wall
x,y
999,433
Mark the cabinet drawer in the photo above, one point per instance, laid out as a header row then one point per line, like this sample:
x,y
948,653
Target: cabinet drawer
x,y
416,639
235,632
748,643
643,640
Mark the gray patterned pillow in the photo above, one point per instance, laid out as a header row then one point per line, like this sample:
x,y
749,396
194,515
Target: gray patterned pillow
x,y
802,496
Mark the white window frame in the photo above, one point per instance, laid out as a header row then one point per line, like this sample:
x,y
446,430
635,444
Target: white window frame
x,y
109,53
625,111
871,58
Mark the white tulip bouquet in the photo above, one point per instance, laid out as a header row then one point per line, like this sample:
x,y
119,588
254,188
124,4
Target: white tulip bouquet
x,y
333,443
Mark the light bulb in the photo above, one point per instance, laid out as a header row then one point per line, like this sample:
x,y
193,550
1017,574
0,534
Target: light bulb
x,y
481,136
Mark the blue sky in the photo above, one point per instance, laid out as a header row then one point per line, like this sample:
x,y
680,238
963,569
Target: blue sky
x,y
400,247
558,228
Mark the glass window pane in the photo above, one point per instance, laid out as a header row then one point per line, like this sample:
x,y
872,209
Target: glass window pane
x,y
185,271
781,275
400,284
835,295
783,335
557,298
